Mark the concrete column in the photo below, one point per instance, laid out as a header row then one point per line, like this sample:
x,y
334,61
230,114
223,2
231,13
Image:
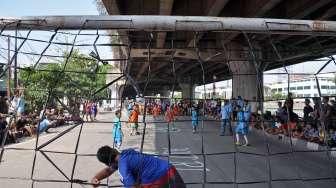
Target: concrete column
x,y
246,81
165,92
188,90
114,95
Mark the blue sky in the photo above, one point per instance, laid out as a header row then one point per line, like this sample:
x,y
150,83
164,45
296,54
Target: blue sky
x,y
18,8
47,7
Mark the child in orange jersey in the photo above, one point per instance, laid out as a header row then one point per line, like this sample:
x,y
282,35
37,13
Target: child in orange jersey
x,y
169,116
133,120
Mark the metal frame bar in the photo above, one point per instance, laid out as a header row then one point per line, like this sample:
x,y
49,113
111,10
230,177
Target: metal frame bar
x,y
269,26
168,23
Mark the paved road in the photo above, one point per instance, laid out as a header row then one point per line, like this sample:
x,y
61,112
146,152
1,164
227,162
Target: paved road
x,y
219,167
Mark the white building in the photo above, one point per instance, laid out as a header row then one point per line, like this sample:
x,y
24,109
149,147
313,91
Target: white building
x,y
305,87
223,89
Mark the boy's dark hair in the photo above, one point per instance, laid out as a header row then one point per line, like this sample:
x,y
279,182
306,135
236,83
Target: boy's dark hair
x,y
106,155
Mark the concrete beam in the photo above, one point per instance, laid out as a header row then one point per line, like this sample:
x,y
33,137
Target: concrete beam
x,y
169,23
329,13
258,12
300,9
112,8
270,4
301,14
165,9
214,10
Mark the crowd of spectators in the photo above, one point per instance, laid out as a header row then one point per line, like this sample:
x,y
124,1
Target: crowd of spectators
x,y
16,122
318,123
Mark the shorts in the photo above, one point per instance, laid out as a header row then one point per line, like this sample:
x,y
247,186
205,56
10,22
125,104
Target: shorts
x,y
172,179
241,128
134,125
287,126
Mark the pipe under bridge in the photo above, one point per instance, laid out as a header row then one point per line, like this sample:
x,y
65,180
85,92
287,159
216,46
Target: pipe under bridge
x,y
171,23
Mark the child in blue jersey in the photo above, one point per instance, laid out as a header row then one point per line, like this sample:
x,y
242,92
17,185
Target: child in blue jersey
x,y
137,169
194,119
242,126
117,133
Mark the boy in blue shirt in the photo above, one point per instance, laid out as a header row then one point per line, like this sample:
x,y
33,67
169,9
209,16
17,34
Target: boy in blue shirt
x,y
137,169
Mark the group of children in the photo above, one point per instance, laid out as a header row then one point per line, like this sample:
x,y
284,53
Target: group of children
x,y
89,110
242,118
133,120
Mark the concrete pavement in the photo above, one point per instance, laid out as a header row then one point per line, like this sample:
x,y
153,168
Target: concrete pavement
x,y
250,164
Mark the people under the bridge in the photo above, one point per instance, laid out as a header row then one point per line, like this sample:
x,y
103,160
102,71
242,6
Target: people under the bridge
x,y
137,169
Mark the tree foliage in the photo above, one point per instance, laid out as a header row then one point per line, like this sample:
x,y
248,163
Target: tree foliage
x,y
80,79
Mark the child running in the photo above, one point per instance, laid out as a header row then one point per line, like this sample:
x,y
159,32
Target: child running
x,y
117,132
133,120
194,119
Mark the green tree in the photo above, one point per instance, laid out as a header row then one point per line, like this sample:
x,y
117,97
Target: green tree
x,y
82,76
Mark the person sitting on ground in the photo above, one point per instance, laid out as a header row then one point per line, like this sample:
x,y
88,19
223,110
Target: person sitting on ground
x,y
3,126
137,169
289,118
272,123
332,138
60,118
311,133
22,125
333,114
45,125
297,132
11,134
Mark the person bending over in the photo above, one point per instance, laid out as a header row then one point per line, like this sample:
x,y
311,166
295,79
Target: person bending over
x,y
137,169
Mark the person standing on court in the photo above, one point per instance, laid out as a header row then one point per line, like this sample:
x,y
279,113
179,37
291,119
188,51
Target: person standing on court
x,y
226,114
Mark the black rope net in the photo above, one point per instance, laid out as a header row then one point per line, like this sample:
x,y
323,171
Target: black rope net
x,y
66,158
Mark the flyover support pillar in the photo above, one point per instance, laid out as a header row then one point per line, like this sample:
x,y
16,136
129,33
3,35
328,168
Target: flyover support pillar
x,y
165,92
188,91
247,82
